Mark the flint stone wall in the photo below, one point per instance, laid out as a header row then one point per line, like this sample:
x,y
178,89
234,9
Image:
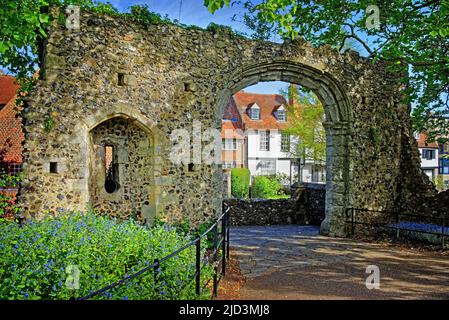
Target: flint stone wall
x,y
307,206
165,77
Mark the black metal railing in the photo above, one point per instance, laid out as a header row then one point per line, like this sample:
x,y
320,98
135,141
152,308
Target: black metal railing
x,y
397,222
220,245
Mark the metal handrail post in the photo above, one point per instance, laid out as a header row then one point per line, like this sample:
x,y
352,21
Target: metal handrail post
x,y
223,246
353,221
398,221
443,232
157,270
227,233
215,260
198,266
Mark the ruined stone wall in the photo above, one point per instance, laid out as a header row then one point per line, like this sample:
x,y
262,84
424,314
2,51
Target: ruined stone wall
x,y
165,77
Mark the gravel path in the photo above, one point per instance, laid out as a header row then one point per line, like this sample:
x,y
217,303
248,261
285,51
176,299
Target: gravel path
x,y
295,262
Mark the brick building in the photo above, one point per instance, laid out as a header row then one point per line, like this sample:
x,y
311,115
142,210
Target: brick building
x,y
11,133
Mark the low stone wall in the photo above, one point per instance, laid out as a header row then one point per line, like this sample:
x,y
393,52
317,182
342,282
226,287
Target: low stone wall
x,y
258,212
305,207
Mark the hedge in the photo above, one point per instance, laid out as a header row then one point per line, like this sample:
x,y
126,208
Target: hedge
x,y
240,182
265,187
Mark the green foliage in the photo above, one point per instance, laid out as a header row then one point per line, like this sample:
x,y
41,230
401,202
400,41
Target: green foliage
x,y
183,228
240,182
7,208
412,36
305,116
49,124
266,187
214,5
142,15
34,259
438,181
9,181
23,26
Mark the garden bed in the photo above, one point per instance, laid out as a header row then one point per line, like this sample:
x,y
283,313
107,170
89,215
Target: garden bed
x,y
74,255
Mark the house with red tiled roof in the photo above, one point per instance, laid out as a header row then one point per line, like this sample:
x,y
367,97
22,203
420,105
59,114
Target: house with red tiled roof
x,y
429,155
254,137
252,130
268,148
233,153
11,133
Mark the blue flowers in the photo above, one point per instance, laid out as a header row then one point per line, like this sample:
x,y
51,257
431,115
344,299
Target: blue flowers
x,y
34,258
424,231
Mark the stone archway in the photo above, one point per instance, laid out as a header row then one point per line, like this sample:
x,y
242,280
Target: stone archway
x,y
168,77
337,124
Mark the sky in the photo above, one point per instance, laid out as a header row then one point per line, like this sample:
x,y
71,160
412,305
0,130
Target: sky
x,y
192,11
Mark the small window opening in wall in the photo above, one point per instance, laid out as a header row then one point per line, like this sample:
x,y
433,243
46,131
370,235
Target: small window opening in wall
x,y
53,167
191,167
111,170
121,79
186,86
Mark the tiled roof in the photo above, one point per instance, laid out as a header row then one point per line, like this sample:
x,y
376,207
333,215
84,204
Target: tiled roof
x,y
8,88
422,142
232,122
268,103
11,133
231,130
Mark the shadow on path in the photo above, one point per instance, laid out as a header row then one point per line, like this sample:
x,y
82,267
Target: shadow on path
x,y
295,262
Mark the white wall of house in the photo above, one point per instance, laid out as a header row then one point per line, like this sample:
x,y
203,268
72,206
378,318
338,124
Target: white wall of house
x,y
279,161
275,145
429,163
311,175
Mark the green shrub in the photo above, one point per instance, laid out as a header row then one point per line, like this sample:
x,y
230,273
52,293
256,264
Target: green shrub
x,y
34,259
184,229
240,182
11,181
266,187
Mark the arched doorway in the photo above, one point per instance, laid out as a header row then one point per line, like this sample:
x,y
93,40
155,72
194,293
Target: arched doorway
x,y
121,180
337,123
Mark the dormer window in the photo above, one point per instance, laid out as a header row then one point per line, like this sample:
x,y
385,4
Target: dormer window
x,y
280,114
254,112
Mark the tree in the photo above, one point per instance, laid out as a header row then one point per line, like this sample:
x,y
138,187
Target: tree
x,y
305,115
23,25
411,34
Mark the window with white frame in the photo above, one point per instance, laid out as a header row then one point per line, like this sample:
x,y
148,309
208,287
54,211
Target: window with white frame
x,y
267,167
229,165
254,112
229,144
264,136
280,114
428,154
285,142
